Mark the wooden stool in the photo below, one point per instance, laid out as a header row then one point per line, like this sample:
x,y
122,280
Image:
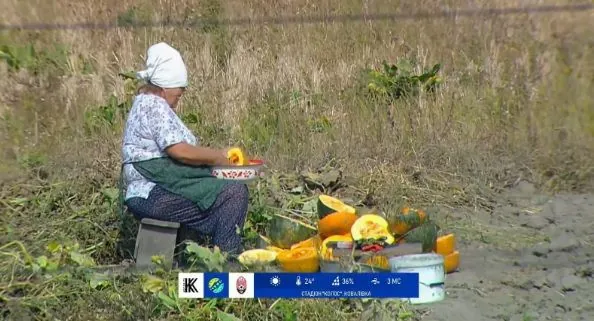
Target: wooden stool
x,y
155,238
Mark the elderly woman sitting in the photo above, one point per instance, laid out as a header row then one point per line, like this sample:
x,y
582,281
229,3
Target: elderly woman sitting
x,y
165,171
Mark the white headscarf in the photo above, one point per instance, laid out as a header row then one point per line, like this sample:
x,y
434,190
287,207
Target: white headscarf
x,y
164,67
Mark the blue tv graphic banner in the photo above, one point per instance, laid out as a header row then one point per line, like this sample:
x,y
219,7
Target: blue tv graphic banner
x,y
298,285
336,285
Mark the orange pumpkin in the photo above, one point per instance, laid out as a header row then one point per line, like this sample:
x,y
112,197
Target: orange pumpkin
x,y
337,223
451,262
304,260
445,244
314,241
407,220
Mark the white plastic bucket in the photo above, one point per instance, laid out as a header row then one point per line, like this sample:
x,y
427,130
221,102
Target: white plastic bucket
x,y
431,275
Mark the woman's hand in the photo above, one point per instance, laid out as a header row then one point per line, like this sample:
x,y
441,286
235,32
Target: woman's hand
x,y
222,159
196,155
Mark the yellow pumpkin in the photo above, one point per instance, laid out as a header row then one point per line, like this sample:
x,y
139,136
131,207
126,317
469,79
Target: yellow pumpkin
x,y
314,241
326,252
257,256
371,226
337,223
304,260
237,156
275,249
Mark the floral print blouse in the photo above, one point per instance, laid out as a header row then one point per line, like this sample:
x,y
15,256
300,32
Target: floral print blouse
x,y
152,126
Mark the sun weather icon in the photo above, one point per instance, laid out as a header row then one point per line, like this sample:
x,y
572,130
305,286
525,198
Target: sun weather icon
x,y
216,285
275,280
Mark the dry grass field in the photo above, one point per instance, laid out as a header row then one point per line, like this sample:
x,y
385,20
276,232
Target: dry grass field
x,y
513,102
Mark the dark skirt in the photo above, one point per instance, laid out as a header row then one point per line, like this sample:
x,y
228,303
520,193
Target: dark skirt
x,y
222,221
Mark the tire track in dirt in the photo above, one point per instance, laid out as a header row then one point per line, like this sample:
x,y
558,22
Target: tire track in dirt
x,y
549,280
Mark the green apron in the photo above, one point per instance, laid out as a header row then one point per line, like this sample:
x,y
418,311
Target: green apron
x,y
195,183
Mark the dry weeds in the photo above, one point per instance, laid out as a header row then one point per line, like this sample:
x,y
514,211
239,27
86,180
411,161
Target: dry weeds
x,y
516,100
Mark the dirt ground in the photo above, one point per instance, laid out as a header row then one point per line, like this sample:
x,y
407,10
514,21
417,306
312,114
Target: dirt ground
x,y
531,258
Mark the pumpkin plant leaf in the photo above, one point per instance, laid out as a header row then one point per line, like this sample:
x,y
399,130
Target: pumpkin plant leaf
x,y
54,247
310,206
42,261
167,301
82,259
297,190
201,256
152,284
330,178
111,194
310,177
99,281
